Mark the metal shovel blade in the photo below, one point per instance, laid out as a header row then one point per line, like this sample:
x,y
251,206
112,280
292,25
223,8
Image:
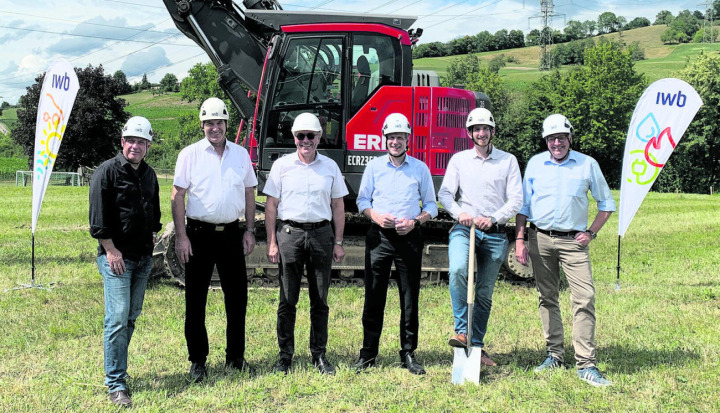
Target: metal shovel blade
x,y
466,365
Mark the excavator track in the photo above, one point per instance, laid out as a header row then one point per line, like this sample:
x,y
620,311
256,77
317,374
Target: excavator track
x,y
262,273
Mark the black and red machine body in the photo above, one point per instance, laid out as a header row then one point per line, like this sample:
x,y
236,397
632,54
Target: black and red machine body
x,y
352,71
349,70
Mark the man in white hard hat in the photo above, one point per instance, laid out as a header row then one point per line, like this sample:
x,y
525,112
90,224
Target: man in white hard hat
x,y
392,189
124,218
305,191
489,186
556,185
218,179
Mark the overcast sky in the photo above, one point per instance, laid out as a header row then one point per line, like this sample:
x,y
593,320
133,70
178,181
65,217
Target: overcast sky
x,y
139,37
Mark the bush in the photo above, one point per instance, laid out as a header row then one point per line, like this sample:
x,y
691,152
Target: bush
x,y
497,63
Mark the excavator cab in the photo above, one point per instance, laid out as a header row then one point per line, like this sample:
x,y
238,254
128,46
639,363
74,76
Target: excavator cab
x,y
351,71
329,72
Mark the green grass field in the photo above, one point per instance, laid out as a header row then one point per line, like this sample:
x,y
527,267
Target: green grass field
x,y
658,336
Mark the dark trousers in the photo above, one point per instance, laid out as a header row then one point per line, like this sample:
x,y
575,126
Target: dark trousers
x,y
224,249
302,249
382,248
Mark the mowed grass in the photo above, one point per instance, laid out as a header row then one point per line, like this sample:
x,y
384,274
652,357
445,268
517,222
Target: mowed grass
x,y
658,336
661,60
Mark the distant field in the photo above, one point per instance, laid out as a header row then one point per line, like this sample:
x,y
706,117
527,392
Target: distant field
x,y
161,110
8,119
660,60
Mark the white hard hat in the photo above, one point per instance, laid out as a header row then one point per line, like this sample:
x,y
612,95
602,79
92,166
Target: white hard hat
x,y
306,121
213,108
480,116
394,123
138,127
556,123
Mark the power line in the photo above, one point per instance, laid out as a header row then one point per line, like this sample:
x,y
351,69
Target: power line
x,y
453,17
87,36
136,4
55,19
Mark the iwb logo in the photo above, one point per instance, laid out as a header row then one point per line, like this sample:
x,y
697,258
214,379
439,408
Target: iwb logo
x,y
671,98
61,82
369,142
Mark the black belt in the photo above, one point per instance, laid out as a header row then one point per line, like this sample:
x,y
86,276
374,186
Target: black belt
x,y
554,233
306,225
495,229
206,226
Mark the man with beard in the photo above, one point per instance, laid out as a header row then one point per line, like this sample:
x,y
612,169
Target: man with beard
x,y
490,193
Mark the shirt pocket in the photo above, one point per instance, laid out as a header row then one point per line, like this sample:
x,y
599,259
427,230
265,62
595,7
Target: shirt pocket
x,y
577,188
234,177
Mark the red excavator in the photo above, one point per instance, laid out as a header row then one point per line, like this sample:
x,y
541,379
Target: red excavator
x,y
351,70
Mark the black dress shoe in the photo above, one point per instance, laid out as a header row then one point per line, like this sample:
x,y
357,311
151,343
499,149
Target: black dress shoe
x,y
410,362
120,398
283,366
198,372
240,364
323,365
363,363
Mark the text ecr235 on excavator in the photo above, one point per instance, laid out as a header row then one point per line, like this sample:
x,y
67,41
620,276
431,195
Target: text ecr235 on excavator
x,y
351,70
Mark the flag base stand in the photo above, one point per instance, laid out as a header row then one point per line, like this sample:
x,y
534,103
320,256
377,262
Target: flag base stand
x,y
32,284
47,287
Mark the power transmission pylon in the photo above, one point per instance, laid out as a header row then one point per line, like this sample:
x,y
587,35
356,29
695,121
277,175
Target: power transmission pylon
x,y
546,34
708,34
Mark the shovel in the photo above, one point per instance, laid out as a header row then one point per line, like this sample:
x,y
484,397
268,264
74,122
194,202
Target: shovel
x,y
466,363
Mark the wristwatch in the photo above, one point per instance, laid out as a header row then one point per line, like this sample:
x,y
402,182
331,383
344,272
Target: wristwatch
x,y
592,233
340,243
493,220
417,222
250,230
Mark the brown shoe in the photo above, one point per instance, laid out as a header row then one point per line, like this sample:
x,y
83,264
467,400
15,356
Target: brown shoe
x,y
458,340
485,360
120,398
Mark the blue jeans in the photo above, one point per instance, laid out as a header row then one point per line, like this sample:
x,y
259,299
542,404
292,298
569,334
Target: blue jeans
x,y
490,252
124,296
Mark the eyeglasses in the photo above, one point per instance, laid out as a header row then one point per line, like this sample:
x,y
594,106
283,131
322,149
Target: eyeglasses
x,y
562,139
302,136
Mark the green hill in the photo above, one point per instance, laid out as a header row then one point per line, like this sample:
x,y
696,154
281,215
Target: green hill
x,y
660,60
162,111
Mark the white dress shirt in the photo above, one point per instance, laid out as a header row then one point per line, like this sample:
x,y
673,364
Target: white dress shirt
x,y
215,186
305,190
487,187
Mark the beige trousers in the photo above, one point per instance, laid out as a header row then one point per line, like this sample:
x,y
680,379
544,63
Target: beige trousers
x,y
548,254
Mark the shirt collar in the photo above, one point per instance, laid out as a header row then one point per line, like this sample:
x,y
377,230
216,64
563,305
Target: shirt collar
x,y
205,144
491,155
124,163
299,161
572,156
405,161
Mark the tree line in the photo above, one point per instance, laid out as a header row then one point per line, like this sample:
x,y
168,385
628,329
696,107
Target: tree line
x,y
685,27
168,84
598,96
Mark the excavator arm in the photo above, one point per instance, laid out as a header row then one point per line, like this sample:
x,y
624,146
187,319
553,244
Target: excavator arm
x,y
231,39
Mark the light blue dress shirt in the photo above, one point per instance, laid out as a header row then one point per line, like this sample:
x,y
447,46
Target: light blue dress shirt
x,y
556,195
397,190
